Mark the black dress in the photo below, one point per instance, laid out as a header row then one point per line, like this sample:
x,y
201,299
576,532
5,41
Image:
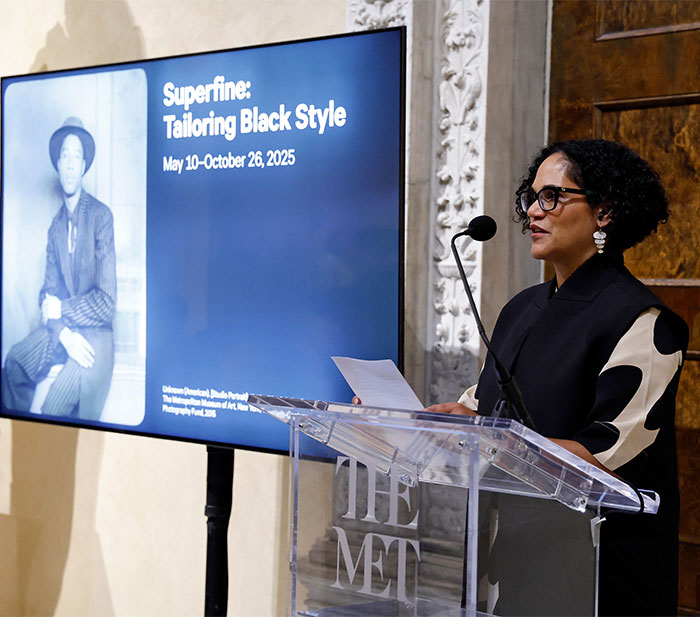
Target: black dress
x,y
598,361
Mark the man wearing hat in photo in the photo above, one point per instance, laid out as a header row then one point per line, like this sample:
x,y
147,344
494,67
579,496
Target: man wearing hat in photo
x,y
77,300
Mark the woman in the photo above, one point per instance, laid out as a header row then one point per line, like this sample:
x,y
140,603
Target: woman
x,y
598,356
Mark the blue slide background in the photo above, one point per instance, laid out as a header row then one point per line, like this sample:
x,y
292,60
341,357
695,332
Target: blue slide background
x,y
256,277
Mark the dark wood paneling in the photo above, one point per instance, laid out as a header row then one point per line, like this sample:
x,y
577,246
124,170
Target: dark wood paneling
x,y
688,436
631,18
629,70
616,69
673,251
685,300
689,472
687,416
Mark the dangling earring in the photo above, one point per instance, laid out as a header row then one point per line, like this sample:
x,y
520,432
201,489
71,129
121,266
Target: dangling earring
x,y
599,237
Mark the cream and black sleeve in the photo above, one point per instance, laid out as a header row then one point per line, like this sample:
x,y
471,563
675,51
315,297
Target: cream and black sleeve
x,y
631,391
631,386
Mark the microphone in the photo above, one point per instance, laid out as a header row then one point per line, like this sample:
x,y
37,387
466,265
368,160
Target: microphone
x,y
481,228
511,403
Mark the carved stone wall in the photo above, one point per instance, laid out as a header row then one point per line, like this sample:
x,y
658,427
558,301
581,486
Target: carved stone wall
x,y
374,14
459,195
445,149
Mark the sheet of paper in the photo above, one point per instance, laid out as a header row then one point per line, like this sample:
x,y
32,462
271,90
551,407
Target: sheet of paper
x,y
378,383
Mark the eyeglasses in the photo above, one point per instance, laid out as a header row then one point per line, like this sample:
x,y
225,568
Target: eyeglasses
x,y
547,196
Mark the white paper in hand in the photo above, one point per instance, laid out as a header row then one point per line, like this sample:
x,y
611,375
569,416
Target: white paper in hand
x,y
378,383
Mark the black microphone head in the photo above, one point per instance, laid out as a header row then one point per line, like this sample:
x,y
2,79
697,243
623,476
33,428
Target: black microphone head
x,y
482,228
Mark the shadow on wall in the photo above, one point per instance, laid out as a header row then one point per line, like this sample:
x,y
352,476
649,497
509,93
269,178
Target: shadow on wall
x,y
43,484
51,516
45,458
95,33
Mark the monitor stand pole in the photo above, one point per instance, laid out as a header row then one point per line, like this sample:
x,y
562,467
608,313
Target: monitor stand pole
x,y
218,513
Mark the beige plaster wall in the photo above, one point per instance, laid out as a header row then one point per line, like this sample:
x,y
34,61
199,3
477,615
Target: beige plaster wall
x,y
94,523
515,121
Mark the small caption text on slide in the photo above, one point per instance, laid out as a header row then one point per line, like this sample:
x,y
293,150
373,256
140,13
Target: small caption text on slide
x,y
201,402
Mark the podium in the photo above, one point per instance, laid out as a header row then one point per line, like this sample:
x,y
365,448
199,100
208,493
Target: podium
x,y
395,512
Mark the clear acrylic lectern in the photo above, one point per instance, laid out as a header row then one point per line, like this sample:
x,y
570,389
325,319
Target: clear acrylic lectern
x,y
415,513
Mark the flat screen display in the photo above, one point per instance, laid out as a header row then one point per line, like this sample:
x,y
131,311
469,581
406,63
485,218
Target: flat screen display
x,y
179,232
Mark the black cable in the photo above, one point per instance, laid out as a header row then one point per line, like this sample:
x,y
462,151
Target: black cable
x,y
640,497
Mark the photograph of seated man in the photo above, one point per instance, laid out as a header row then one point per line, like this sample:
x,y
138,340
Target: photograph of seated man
x,y
77,300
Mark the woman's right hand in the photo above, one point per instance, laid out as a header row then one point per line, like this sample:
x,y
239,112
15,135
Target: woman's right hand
x,y
454,408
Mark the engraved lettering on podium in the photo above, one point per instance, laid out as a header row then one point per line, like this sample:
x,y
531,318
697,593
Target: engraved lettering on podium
x,y
384,563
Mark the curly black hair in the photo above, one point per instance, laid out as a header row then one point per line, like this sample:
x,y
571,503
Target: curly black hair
x,y
626,185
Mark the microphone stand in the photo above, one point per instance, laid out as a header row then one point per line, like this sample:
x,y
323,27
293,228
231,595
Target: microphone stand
x,y
510,404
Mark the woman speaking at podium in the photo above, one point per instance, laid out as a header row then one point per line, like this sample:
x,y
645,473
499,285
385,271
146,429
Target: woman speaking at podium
x,y
597,355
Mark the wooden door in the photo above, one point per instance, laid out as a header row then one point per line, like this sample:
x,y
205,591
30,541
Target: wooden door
x,y
629,71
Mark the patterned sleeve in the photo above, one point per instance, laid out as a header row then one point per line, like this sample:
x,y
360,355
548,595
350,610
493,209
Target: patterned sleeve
x,y
469,399
97,306
635,390
51,274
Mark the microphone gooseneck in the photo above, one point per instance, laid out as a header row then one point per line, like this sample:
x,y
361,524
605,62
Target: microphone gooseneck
x,y
511,403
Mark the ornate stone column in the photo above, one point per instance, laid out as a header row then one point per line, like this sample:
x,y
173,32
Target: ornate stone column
x,y
456,169
446,73
463,54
